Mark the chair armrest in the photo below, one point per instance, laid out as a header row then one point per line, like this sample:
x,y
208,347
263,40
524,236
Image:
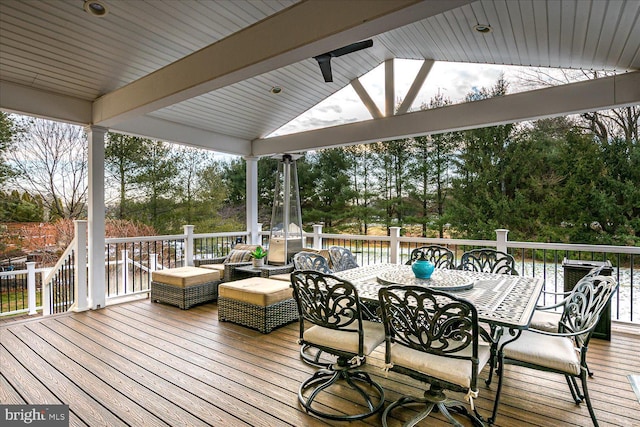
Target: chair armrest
x,y
199,262
229,269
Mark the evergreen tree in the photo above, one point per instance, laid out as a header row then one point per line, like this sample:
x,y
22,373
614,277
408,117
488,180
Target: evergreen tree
x,y
362,205
333,188
481,190
430,173
124,157
8,132
156,181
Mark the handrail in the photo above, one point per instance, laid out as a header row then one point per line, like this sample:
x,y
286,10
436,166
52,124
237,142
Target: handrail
x,y
144,238
48,280
56,267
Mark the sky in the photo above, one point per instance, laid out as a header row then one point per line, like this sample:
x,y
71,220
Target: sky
x,y
452,80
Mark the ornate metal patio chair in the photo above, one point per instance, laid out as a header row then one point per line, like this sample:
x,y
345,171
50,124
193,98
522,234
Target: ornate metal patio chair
x,y
311,261
547,318
331,320
342,259
563,352
433,337
489,261
440,256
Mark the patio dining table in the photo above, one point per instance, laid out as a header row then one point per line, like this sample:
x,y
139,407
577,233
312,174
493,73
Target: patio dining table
x,y
501,300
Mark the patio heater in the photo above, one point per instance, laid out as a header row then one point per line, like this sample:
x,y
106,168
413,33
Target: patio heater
x,y
285,238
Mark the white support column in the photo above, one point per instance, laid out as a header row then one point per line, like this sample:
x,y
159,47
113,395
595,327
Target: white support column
x,y
81,296
389,89
394,244
31,287
501,239
189,245
97,290
251,200
317,236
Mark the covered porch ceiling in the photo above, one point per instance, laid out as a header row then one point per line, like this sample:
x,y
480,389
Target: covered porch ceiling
x,y
200,72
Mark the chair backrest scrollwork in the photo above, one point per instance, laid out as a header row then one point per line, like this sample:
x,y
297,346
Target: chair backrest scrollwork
x,y
311,261
584,305
440,256
427,320
489,261
342,258
327,301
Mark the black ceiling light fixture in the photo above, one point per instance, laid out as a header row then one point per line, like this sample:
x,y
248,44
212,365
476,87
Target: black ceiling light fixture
x,y
324,60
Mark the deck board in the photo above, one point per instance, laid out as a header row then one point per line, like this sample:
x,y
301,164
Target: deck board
x,y
142,363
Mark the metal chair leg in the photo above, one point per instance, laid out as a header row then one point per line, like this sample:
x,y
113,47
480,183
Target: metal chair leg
x,y
585,390
325,378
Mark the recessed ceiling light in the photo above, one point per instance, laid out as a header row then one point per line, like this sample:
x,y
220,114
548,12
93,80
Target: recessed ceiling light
x,y
96,8
276,90
483,28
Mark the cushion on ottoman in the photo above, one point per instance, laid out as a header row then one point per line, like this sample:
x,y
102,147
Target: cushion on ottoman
x,y
215,267
184,286
256,291
258,303
183,277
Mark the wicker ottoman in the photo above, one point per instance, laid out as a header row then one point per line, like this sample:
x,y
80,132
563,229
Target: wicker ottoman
x,y
258,303
184,286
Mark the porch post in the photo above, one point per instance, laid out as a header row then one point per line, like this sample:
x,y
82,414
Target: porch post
x,y
31,287
317,236
394,244
97,292
251,200
80,273
188,245
501,239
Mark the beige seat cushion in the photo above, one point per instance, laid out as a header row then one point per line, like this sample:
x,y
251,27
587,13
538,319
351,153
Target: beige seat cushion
x,y
256,291
216,267
545,320
183,277
452,370
345,340
544,350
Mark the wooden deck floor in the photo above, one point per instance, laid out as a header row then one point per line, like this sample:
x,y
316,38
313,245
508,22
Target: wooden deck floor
x,y
146,364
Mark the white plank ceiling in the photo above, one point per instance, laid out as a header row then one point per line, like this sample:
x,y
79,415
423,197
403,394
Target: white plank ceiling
x,y
54,46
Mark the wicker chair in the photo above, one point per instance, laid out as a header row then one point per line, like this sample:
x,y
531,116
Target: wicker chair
x,y
342,259
331,320
433,337
237,257
489,261
440,256
563,352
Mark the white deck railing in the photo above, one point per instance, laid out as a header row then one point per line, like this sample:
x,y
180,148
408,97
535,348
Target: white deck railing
x,y
131,261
